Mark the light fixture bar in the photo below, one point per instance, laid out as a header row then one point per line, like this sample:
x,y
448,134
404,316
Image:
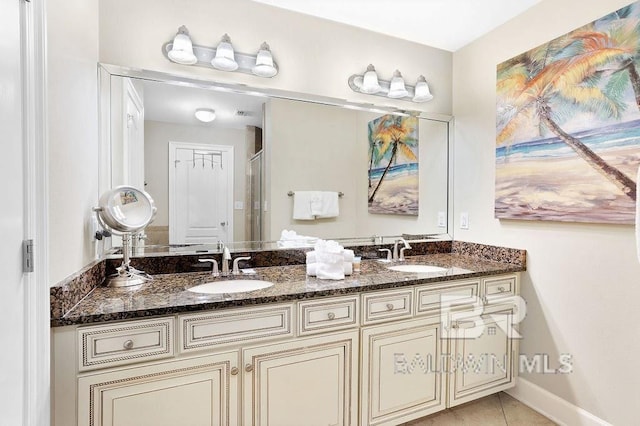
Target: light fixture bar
x,y
356,82
205,54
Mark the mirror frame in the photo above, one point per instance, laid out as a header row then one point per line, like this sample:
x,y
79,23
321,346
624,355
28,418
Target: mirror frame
x,y
106,71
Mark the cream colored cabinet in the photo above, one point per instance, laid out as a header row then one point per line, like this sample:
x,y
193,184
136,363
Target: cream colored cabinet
x,y
310,381
483,352
401,378
200,391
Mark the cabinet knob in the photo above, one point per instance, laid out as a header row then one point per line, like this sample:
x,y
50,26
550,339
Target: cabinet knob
x,y
389,306
455,325
248,368
501,289
128,344
331,316
234,371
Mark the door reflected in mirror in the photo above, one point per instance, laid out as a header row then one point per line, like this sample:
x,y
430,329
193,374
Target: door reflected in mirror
x,y
228,180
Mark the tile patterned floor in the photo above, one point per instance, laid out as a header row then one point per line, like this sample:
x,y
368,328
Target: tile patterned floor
x,y
495,410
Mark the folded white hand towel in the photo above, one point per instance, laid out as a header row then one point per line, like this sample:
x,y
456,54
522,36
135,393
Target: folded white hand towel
x,y
326,205
330,271
302,201
348,255
312,269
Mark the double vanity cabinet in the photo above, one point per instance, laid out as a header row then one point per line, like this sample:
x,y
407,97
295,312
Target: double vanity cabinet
x,y
379,357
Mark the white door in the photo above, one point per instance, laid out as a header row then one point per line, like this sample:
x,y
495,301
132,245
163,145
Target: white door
x,y
12,224
200,193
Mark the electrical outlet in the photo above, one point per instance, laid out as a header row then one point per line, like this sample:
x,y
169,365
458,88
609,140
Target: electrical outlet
x,y
442,220
464,220
238,205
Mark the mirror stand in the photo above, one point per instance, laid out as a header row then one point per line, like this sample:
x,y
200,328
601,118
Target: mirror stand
x,y
127,276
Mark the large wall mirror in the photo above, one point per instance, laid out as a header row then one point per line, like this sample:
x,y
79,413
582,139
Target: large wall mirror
x,y
230,179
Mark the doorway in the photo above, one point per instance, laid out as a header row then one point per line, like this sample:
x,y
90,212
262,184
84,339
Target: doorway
x,y
200,193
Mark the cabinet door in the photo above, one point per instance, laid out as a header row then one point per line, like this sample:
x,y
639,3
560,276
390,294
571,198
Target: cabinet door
x,y
401,372
201,391
483,350
310,381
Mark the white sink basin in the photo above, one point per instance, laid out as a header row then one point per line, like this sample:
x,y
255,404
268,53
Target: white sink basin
x,y
417,268
230,286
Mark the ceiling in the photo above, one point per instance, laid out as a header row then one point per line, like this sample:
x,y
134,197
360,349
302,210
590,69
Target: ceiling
x,y
445,24
171,103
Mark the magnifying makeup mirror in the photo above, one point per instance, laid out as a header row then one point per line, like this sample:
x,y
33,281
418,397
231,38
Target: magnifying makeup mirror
x,y
124,211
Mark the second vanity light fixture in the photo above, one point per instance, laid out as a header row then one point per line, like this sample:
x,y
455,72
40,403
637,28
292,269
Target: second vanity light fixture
x,y
369,84
223,57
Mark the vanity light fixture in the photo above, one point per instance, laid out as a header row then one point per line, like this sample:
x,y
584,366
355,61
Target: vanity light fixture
x,y
397,88
206,115
225,57
369,84
182,51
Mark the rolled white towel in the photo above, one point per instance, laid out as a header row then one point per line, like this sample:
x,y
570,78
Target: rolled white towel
x,y
312,257
348,256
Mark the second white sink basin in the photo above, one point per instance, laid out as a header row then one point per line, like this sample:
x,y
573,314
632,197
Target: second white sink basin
x,y
230,286
417,268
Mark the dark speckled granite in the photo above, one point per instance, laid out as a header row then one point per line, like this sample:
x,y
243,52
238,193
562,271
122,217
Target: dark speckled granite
x,y
167,294
66,294
493,253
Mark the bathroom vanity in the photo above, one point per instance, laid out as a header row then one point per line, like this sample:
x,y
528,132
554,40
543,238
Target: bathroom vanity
x,y
378,348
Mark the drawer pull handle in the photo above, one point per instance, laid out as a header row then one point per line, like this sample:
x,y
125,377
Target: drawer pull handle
x,y
128,344
248,368
389,306
501,289
331,316
234,371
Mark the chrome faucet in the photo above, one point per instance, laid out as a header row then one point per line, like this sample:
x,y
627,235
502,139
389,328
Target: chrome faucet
x,y
236,269
214,268
226,257
400,257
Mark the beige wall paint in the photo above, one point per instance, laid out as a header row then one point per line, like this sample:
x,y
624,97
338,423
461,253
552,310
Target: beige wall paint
x,y
72,126
315,56
156,160
581,285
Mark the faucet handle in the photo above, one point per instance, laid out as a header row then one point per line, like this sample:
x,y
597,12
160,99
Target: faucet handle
x,y
236,270
214,269
388,254
402,249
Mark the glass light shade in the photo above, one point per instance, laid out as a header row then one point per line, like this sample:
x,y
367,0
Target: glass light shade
x,y
422,92
264,63
370,83
182,49
205,115
396,87
225,57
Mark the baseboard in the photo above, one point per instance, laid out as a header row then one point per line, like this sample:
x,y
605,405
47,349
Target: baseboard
x,y
552,406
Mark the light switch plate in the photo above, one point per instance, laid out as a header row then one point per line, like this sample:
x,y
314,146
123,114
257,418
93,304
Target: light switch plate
x,y
238,205
442,220
464,220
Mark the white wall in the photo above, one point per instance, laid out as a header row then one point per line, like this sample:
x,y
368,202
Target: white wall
x,y
314,55
581,284
156,160
72,56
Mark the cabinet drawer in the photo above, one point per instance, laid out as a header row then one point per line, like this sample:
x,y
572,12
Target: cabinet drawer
x,y
201,331
124,343
495,288
327,315
388,305
430,298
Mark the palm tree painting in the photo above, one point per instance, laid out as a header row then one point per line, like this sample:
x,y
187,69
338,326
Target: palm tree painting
x,y
568,125
393,165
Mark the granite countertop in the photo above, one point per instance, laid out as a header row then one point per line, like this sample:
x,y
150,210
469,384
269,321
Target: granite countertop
x,y
167,293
